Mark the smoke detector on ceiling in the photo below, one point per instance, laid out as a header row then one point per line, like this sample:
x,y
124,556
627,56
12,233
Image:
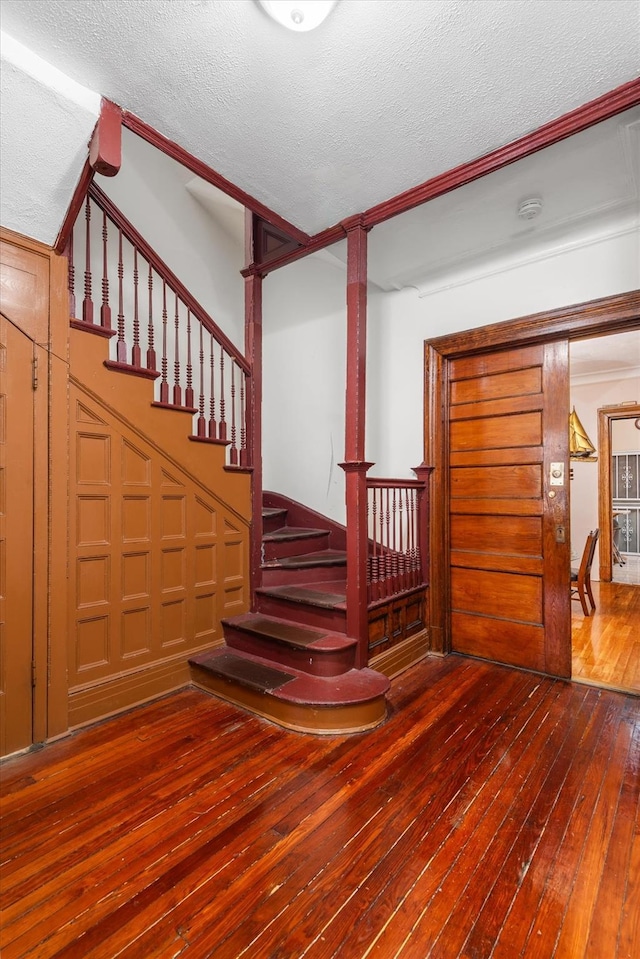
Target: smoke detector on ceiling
x,y
530,208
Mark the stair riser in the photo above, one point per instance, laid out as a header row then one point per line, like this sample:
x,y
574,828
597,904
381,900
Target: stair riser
x,y
334,620
295,547
276,576
272,523
313,662
310,719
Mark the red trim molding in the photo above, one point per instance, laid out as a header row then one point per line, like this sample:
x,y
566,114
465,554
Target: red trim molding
x,y
174,150
604,107
78,198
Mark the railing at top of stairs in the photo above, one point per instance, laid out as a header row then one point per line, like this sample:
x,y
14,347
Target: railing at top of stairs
x,y
161,331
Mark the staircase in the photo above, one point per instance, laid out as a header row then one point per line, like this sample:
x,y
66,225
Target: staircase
x,y
291,660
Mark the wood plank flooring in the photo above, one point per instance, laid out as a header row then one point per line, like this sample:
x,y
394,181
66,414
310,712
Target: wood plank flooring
x,y
606,645
494,815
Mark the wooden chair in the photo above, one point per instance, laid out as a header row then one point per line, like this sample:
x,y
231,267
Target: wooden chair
x,y
581,578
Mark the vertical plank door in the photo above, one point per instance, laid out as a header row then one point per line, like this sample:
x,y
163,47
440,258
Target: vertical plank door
x,y
509,535
16,537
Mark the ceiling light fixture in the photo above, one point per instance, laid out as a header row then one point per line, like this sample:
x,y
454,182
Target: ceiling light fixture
x,y
298,14
530,208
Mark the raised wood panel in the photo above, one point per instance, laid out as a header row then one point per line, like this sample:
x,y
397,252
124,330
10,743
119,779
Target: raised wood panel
x,y
505,361
500,506
519,482
505,562
156,559
510,456
393,622
502,406
497,534
478,636
505,431
497,594
512,383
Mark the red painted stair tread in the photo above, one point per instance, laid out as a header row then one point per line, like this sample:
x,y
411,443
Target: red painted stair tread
x,y
306,595
248,671
292,634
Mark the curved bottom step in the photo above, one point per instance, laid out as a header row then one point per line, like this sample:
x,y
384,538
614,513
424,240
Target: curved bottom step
x,y
352,702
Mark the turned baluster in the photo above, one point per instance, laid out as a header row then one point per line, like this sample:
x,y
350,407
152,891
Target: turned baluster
x,y
164,385
71,278
136,356
212,398
233,452
151,353
177,391
121,346
202,424
222,432
243,423
87,303
188,393
105,309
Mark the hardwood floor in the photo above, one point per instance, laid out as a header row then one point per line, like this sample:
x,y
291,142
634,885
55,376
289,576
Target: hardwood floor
x,y
495,814
606,646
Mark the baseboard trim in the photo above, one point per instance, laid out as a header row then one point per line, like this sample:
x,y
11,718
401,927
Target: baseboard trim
x,y
410,651
99,701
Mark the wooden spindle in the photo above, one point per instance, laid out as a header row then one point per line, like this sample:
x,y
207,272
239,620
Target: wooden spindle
x,y
105,308
188,393
233,451
71,278
202,424
177,391
243,420
164,384
212,395
87,303
121,346
151,353
136,355
222,431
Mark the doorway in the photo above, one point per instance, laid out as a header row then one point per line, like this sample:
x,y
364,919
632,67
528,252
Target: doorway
x,y
597,318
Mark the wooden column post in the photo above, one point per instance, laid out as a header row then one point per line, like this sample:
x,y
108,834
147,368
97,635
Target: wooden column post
x,y
253,353
423,472
355,466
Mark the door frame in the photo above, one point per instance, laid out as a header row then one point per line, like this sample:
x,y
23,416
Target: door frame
x,y
610,314
606,415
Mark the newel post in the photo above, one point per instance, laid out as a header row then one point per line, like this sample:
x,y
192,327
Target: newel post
x,y
355,466
253,353
423,472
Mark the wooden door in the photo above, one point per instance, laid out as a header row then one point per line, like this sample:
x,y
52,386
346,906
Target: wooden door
x,y
16,537
509,535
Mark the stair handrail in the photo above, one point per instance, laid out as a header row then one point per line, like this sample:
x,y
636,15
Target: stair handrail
x,y
166,273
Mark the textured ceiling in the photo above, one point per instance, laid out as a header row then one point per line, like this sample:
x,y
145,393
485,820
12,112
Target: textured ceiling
x,y
321,125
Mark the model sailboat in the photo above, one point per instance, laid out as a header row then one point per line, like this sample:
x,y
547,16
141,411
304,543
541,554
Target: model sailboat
x,y
580,446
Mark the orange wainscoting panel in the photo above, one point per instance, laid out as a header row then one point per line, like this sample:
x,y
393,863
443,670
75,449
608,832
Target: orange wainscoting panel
x,y
156,559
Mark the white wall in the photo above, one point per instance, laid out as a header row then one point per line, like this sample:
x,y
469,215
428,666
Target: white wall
x,y
401,322
150,190
304,384
304,335
587,399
